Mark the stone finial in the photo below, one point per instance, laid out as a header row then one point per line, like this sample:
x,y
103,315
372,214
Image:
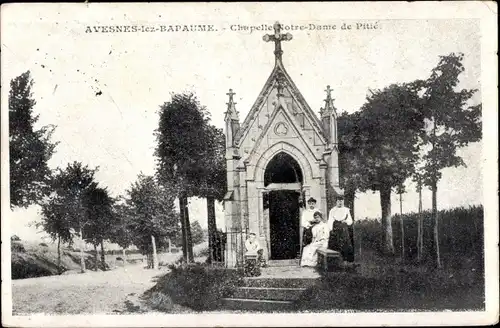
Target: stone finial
x,y
329,108
231,112
277,37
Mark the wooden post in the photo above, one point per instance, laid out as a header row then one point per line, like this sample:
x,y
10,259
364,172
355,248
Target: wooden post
x,y
420,238
96,258
402,227
59,270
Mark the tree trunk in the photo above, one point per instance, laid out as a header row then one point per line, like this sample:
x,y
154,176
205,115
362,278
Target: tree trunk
x,y
437,255
385,202
402,226
420,238
96,258
183,227
189,239
59,270
149,259
212,227
155,257
124,256
349,198
103,256
82,258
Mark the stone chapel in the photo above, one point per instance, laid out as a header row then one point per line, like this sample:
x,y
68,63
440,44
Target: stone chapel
x,y
278,157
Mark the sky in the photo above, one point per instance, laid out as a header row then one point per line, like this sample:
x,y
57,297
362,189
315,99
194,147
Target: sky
x,y
103,90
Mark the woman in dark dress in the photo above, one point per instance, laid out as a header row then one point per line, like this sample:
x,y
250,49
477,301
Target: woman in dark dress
x,y
340,240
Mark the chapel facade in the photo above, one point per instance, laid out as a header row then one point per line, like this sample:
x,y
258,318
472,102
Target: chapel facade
x,y
278,157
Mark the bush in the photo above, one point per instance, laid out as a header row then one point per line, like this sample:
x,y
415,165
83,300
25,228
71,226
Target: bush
x,y
197,286
14,238
17,247
202,252
43,244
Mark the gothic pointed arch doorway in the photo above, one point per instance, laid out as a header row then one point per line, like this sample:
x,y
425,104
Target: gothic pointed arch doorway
x,y
283,179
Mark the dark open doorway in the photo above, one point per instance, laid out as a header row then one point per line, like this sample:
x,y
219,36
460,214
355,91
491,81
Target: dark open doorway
x,y
284,224
283,177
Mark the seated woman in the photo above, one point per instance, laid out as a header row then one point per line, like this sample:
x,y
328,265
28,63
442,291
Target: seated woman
x,y
253,248
320,233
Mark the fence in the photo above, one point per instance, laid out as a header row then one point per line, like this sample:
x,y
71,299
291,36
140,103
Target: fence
x,y
229,247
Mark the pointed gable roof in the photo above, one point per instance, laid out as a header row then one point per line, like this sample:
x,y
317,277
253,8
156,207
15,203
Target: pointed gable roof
x,y
279,72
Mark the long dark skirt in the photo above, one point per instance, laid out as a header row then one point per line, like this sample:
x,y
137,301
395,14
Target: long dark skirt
x,y
307,237
340,241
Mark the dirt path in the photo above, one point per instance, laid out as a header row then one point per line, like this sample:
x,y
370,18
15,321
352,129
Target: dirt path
x,y
109,292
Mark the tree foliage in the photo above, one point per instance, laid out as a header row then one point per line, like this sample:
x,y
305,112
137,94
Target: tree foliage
x,y
451,122
29,148
182,143
100,218
55,219
350,159
388,135
150,212
120,232
64,209
380,148
214,177
197,231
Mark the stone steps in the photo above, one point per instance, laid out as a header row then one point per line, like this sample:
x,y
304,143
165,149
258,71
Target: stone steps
x,y
242,304
283,263
278,282
267,294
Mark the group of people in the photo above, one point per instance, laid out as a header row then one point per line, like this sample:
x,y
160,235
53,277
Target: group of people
x,y
333,233
318,232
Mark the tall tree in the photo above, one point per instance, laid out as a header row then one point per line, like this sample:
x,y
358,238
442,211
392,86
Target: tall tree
x,y
215,180
350,161
151,214
29,148
55,223
418,179
181,149
120,233
98,206
70,185
388,133
451,123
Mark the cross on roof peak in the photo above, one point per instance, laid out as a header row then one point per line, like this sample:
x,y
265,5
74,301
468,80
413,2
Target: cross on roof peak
x,y
277,37
230,94
328,92
328,96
